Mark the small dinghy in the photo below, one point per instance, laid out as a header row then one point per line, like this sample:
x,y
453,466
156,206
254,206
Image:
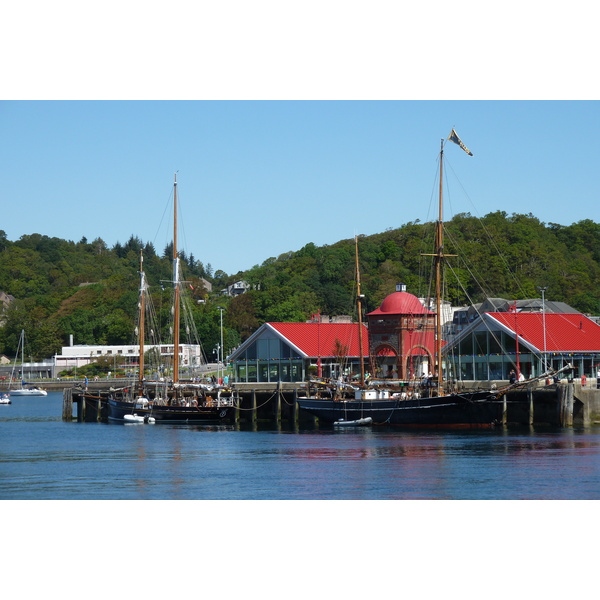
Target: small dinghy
x,y
135,418
5,399
355,423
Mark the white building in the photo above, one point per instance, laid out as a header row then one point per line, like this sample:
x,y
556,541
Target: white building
x,y
190,355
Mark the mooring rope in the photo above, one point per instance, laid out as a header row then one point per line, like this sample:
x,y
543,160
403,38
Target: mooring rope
x,y
260,406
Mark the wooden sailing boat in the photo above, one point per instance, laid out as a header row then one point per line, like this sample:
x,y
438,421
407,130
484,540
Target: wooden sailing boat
x,y
385,405
24,389
173,401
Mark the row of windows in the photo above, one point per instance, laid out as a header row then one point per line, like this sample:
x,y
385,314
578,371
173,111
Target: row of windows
x,y
269,372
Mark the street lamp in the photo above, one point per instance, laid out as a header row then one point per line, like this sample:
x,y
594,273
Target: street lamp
x,y
543,290
220,308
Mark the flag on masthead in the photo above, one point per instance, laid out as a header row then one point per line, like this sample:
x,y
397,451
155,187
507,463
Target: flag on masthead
x,y
453,137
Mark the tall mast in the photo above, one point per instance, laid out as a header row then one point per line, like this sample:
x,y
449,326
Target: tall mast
x,y
359,308
513,309
175,289
142,322
439,256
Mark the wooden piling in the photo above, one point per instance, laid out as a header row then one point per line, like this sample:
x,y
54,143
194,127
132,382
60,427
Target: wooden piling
x,y
67,414
295,408
277,409
253,407
566,405
530,410
80,408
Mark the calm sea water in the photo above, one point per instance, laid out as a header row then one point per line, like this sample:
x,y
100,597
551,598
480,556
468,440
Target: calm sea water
x,y
43,458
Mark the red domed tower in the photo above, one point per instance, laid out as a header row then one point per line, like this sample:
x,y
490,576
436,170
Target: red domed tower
x,y
401,336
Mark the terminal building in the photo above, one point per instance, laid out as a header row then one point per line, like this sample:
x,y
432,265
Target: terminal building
x,y
482,342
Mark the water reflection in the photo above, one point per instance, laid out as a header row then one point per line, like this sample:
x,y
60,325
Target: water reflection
x,y
43,458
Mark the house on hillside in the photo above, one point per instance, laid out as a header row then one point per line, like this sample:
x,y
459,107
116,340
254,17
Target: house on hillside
x,y
235,289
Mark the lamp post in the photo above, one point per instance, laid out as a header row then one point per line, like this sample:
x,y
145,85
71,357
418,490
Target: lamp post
x,y
543,290
221,309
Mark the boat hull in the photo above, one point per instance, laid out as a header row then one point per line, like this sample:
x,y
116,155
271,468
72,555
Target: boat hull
x,y
27,392
117,410
476,410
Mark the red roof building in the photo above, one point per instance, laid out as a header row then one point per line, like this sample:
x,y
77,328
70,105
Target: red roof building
x,y
531,342
563,333
287,351
401,337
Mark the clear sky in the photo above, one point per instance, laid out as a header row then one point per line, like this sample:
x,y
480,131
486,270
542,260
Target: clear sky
x,y
260,178
290,123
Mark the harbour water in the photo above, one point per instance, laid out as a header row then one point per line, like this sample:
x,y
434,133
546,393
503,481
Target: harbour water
x,y
352,548
44,458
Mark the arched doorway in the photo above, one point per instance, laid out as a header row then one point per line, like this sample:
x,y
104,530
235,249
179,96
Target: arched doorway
x,y
418,362
385,362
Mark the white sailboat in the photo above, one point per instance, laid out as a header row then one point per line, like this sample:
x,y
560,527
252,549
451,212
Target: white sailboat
x,y
24,389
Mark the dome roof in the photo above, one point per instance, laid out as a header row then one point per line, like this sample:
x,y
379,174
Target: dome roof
x,y
402,303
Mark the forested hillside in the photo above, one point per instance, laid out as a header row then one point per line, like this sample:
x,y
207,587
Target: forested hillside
x,y
89,290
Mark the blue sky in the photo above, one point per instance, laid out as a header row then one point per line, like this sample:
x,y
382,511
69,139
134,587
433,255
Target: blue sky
x,y
290,123
260,178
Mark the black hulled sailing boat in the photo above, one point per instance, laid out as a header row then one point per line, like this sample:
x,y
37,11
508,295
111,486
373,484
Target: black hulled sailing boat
x,y
434,407
173,401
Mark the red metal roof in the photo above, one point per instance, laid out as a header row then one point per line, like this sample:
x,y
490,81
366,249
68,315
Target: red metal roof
x,y
401,303
318,339
565,332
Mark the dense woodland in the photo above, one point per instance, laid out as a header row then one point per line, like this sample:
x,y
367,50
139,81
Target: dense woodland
x,y
89,290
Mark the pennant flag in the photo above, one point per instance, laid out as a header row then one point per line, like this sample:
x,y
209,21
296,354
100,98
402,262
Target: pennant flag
x,y
453,137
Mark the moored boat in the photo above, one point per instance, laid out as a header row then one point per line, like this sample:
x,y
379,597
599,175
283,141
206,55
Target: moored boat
x,y
356,423
171,401
24,389
28,391
432,404
182,405
135,418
